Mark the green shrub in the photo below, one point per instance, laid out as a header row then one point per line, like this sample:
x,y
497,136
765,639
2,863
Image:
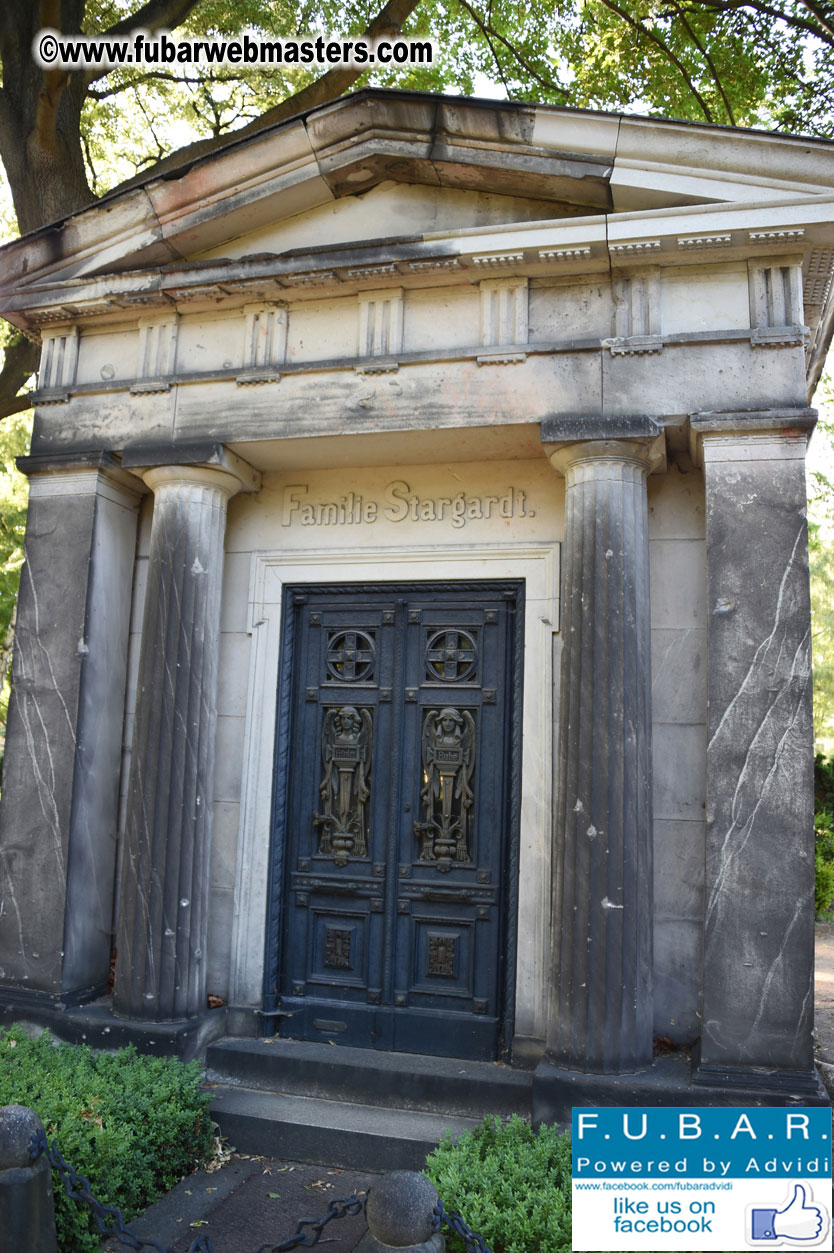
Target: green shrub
x,y
510,1184
824,828
133,1125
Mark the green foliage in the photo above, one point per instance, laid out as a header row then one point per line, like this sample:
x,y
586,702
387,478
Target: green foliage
x,y
512,1185
743,63
824,829
133,1125
821,555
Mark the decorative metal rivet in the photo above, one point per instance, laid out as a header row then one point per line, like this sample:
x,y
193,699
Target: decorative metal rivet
x,y
489,695
374,996
301,900
400,999
298,989
411,693
312,693
304,864
483,876
376,904
491,616
385,693
315,619
405,872
414,615
483,912
388,617
379,869
480,1007
403,907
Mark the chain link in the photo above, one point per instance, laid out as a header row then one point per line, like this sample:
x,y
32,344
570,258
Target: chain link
x,y
110,1220
474,1243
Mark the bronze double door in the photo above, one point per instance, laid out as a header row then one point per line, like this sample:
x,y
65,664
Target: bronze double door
x,y
392,922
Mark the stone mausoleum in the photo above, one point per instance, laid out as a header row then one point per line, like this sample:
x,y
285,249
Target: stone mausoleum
x,y
413,650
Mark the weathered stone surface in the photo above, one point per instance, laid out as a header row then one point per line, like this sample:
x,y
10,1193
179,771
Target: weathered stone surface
x,y
400,1209
59,810
601,1010
758,944
162,940
27,1218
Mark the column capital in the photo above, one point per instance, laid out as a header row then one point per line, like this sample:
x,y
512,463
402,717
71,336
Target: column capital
x,y
756,435
632,438
158,477
648,455
193,463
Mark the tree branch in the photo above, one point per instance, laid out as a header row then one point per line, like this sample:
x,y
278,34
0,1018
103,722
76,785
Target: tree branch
x,y
155,15
705,53
491,33
794,22
665,49
334,83
151,75
21,362
152,16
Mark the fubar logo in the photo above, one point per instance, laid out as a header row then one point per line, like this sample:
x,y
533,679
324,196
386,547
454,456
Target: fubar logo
x,y
698,1179
399,503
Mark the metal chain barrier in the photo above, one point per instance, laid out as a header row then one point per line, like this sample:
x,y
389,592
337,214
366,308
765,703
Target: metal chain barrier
x,y
474,1243
110,1220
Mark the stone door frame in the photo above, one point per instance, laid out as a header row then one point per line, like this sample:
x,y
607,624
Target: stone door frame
x,y
538,566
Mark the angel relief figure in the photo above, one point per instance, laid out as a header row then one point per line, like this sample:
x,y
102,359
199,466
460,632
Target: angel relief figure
x,y
448,762
346,758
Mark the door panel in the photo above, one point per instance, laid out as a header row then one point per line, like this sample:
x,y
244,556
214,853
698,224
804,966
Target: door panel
x,y
394,816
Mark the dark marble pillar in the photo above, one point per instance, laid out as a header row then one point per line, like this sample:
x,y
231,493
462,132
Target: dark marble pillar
x,y
600,1017
59,811
759,923
161,961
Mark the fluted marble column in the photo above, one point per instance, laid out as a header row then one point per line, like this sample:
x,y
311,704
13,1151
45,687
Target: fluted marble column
x,y
160,967
600,1018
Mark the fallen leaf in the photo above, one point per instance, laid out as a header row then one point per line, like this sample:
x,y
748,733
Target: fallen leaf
x,y
274,1196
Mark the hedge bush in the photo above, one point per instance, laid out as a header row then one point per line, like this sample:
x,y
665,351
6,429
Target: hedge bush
x,y
511,1184
133,1125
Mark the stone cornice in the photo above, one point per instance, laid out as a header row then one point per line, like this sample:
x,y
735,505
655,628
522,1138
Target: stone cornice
x,y
572,246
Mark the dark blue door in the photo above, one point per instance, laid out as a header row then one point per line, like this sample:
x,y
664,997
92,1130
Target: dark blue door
x,y
396,811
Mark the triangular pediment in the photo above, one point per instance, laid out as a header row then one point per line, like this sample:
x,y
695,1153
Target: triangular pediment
x,y
384,164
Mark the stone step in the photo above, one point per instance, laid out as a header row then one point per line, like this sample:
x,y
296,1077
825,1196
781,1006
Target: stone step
x,y
329,1133
402,1081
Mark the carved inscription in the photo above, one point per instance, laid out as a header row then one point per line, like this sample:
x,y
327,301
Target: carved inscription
x,y
342,825
400,504
448,763
441,956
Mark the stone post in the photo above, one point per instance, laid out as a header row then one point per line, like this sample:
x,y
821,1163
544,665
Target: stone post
x,y
161,947
27,1213
59,814
400,1214
600,1017
759,923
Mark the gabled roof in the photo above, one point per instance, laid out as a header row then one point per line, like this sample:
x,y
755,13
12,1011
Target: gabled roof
x,y
610,187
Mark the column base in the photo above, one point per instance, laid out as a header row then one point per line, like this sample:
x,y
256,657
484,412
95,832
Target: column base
x,y
671,1080
96,1025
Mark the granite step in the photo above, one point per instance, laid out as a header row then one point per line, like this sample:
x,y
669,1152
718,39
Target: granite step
x,y
402,1081
329,1133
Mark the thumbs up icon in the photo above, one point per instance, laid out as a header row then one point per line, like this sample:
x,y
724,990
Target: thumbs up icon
x,y
795,1221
